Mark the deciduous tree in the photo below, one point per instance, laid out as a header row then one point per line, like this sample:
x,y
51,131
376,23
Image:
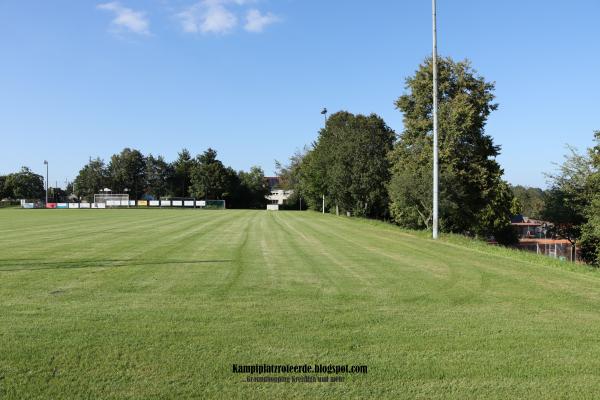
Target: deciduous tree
x,y
92,178
348,163
159,175
252,189
210,179
569,196
182,173
3,191
24,184
127,170
470,176
590,231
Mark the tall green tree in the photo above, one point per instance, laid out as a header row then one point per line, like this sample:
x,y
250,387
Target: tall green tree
x,y
127,171
92,178
312,183
231,187
290,177
253,189
289,173
371,141
411,192
3,191
210,179
495,217
159,175
349,165
590,231
24,184
569,196
182,173
470,176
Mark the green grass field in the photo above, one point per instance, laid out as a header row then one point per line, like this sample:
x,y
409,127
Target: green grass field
x,y
158,304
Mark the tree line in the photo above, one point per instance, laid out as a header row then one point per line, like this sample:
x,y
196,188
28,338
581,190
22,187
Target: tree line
x,y
150,177
362,167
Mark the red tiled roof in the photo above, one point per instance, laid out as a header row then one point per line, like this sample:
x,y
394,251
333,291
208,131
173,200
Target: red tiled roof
x,y
545,241
536,223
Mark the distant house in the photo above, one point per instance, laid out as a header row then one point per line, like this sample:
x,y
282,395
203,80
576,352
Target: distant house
x,y
535,235
528,228
279,196
276,194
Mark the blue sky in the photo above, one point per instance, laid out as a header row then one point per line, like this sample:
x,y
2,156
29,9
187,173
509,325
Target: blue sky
x,y
249,77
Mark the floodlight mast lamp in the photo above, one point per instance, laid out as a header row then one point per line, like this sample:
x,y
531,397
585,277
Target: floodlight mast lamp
x,y
435,124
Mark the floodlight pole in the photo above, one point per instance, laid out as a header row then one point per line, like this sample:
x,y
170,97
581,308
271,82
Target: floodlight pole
x,y
46,163
324,112
435,124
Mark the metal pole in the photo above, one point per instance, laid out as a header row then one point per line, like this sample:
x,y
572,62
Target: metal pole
x,y
46,162
435,124
324,112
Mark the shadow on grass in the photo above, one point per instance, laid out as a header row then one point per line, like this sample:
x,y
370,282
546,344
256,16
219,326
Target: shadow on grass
x,y
42,264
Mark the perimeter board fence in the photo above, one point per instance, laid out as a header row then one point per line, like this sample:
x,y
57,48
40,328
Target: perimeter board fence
x,y
201,204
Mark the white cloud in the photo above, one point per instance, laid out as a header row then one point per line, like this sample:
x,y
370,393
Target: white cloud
x,y
207,16
216,17
126,18
256,21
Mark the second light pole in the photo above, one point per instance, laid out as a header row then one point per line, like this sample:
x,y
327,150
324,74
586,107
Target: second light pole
x,y
435,124
324,113
46,164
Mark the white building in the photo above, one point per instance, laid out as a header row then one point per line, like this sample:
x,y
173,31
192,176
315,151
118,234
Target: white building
x,y
279,196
